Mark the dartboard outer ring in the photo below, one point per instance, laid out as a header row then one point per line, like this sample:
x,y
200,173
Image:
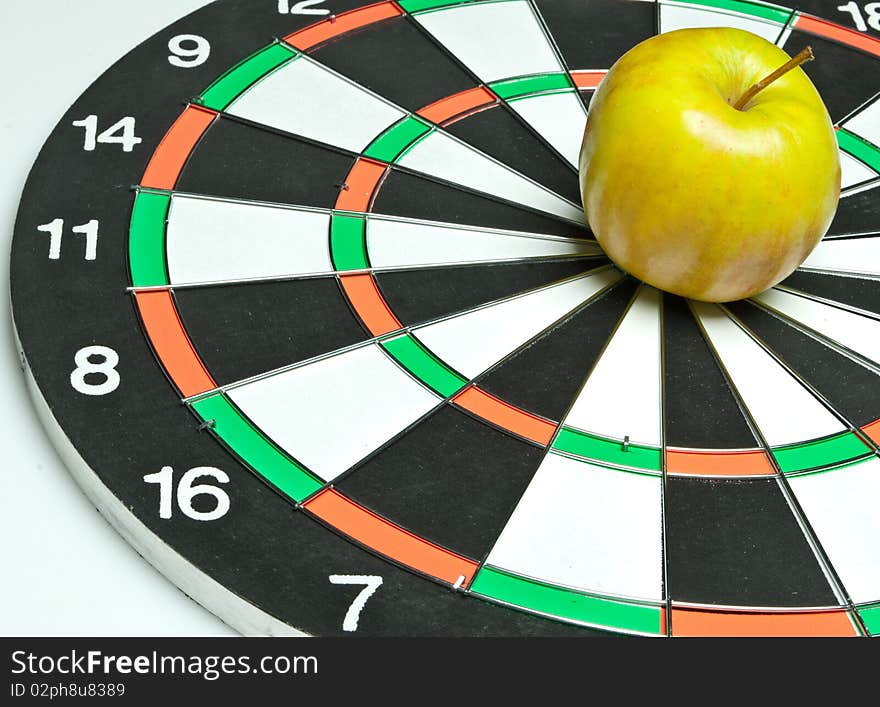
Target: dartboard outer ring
x,y
234,611
238,612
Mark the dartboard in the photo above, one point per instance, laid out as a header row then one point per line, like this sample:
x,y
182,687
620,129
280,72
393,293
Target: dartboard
x,y
307,302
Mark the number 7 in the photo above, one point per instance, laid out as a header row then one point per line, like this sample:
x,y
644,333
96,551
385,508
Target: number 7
x,y
371,583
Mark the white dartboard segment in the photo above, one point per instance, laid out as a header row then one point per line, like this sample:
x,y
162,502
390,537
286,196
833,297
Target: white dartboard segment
x,y
496,40
622,396
304,98
860,256
472,342
210,240
853,172
332,413
784,411
559,118
841,506
441,155
588,528
866,123
503,40
398,243
853,331
860,188
674,15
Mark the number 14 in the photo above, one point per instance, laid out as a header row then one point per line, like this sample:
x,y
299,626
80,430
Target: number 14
x,y
872,12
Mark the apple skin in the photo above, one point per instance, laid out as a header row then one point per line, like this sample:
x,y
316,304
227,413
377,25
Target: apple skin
x,y
693,196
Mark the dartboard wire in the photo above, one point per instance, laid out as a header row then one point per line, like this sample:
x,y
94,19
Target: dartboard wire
x,y
479,83
785,32
664,486
849,236
549,447
424,175
448,400
435,126
858,188
858,109
760,609
823,339
407,329
551,40
849,274
866,313
776,356
834,581
369,214
317,275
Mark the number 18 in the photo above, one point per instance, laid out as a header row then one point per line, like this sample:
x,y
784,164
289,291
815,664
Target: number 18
x,y
872,12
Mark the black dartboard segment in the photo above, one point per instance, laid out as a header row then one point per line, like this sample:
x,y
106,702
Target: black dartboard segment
x,y
713,553
701,409
293,320
351,322
242,161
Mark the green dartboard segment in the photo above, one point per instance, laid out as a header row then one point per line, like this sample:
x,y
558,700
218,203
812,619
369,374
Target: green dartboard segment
x,y
821,453
859,148
588,446
527,85
238,79
348,244
394,141
146,239
765,11
566,603
260,454
414,6
870,616
415,358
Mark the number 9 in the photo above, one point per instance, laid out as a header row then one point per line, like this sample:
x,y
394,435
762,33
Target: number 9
x,y
197,53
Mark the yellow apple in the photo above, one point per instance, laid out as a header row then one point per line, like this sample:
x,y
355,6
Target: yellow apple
x,y
689,193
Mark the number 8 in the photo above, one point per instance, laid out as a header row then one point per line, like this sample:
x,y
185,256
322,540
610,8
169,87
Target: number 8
x,y
188,58
106,368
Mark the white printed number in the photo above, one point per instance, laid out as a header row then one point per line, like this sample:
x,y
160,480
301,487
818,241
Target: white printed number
x,y
120,133
871,13
186,492
95,361
304,7
188,51
55,229
371,583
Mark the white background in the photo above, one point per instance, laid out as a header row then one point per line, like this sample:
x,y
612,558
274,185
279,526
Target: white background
x,y
65,571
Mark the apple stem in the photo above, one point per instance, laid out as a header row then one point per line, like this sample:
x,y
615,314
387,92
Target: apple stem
x,y
805,55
